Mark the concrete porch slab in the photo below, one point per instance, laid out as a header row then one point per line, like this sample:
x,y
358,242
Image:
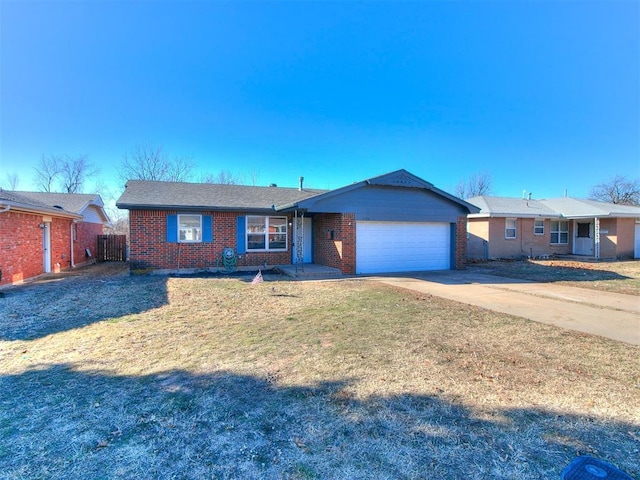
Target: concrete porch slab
x,y
309,271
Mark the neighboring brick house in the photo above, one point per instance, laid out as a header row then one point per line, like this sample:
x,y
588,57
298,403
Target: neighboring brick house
x,y
524,227
391,223
39,237
85,233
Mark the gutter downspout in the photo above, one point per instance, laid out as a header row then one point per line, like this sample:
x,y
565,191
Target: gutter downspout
x,y
73,222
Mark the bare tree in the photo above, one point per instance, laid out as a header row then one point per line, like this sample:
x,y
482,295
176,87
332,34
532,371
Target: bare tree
x,y
12,181
151,163
67,174
618,190
223,177
74,172
477,184
47,173
120,224
252,175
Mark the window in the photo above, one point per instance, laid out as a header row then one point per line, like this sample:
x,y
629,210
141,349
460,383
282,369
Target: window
x,y
266,233
559,232
189,228
584,230
510,228
538,227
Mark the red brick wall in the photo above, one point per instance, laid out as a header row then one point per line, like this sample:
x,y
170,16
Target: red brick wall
x,y
335,241
86,237
60,244
21,252
460,253
149,248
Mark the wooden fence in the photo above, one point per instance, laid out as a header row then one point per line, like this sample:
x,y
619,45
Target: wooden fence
x,y
112,248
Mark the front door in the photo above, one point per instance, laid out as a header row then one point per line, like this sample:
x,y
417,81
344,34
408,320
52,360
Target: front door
x,y
46,247
583,238
302,236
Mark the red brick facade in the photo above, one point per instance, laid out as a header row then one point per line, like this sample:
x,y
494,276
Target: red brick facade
x,y
86,236
460,244
21,245
149,249
335,241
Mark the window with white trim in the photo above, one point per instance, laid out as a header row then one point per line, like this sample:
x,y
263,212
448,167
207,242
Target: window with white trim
x,y
266,233
189,228
559,232
538,227
510,228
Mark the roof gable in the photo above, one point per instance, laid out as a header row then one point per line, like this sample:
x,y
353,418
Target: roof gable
x,y
89,204
397,179
400,178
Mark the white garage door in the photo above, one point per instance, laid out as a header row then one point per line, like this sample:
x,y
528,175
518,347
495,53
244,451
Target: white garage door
x,y
402,247
637,242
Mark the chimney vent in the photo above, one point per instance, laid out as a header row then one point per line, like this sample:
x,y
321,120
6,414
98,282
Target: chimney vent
x,y
300,184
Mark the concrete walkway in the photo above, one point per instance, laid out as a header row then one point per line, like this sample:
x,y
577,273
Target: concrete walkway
x,y
610,315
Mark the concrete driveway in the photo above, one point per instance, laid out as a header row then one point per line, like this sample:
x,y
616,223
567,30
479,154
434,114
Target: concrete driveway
x,y
611,315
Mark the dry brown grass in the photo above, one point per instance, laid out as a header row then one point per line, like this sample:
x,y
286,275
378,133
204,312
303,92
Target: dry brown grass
x,y
610,276
155,377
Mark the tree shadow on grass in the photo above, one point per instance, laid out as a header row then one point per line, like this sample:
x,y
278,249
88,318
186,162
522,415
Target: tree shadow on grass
x,y
57,422
37,310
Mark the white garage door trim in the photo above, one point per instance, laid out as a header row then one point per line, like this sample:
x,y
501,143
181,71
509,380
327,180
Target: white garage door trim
x,y
636,245
383,247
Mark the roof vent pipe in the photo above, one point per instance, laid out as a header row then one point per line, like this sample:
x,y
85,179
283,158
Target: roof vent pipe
x,y
301,179
529,196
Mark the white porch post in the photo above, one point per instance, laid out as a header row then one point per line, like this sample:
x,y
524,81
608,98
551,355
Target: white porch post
x,y
596,235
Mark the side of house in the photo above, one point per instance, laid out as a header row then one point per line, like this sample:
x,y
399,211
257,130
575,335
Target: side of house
x,y
84,232
34,238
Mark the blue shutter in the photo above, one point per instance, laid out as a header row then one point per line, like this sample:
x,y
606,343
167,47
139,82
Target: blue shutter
x,y
241,233
207,230
172,228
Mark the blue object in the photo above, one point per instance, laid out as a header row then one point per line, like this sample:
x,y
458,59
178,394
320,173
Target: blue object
x,y
590,468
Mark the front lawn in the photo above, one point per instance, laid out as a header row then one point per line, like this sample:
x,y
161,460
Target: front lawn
x,y
153,377
609,276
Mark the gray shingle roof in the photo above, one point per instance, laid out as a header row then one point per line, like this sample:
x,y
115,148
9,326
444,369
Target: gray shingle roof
x,y
515,207
72,202
566,207
181,195
22,201
573,207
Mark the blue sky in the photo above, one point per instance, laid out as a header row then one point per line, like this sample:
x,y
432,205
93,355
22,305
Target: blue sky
x,y
542,95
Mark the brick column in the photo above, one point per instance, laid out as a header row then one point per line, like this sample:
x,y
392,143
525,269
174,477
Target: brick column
x,y
461,243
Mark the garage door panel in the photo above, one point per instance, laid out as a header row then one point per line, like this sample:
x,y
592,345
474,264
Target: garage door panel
x,y
398,246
